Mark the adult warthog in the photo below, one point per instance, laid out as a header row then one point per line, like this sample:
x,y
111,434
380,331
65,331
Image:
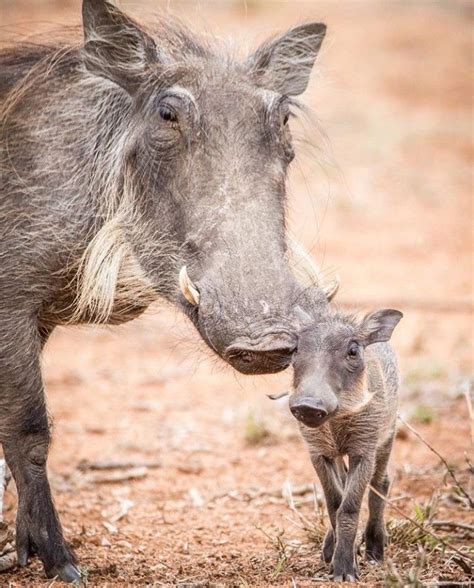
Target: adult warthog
x,y
138,165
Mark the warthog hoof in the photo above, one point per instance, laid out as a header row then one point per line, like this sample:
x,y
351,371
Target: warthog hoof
x,y
328,547
345,578
49,545
67,573
345,570
375,542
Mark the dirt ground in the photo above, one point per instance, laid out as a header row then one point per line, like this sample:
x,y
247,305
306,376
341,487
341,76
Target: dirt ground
x,y
227,496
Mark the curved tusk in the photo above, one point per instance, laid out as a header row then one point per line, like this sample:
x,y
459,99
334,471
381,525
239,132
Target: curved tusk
x,y
307,271
278,396
189,290
302,316
330,290
304,266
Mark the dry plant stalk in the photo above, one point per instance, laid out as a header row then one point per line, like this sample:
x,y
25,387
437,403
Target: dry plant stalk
x,y
465,558
449,469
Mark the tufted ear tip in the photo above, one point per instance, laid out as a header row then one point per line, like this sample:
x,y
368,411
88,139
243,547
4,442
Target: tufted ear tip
x,y
115,47
378,326
284,64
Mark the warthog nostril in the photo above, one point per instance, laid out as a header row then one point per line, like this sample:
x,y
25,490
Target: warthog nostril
x,y
309,412
246,356
319,414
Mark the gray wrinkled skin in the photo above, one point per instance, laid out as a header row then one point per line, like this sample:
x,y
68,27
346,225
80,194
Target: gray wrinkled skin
x,y
122,159
345,371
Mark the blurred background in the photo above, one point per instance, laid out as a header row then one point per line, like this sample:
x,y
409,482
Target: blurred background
x,y
387,205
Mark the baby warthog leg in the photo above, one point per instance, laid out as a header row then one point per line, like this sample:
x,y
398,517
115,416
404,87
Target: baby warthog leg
x,y
375,534
347,518
327,472
25,437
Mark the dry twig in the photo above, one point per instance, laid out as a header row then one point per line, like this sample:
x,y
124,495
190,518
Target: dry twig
x,y
452,525
466,559
110,477
249,495
86,465
443,460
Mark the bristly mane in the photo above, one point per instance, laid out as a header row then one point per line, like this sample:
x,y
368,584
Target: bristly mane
x,y
108,274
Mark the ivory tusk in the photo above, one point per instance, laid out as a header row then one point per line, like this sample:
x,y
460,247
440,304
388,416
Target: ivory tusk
x,y
278,396
189,290
307,271
331,289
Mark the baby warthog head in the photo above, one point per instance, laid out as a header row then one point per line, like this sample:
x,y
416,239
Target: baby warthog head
x,y
329,367
206,148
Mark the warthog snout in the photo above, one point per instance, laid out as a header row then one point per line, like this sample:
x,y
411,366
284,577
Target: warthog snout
x,y
269,355
310,411
254,333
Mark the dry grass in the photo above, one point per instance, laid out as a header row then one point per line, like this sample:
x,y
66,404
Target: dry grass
x,y
256,430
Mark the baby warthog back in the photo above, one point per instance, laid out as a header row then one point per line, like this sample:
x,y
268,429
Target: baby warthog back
x,y
345,399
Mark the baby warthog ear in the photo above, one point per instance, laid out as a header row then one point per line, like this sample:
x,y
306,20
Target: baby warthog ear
x,y
378,326
284,64
115,47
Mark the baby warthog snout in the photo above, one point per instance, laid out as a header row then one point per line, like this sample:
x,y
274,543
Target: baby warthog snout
x,y
311,411
314,400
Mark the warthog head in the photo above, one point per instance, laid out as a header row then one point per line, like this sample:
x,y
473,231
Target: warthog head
x,y
329,368
207,153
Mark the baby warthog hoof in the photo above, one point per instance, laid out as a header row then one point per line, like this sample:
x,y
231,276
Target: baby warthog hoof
x,y
328,547
345,578
344,571
374,552
375,542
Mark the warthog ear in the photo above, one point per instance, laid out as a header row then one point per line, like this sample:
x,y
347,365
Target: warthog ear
x,y
284,63
115,47
378,326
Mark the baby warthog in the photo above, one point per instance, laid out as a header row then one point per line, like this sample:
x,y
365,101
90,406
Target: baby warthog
x,y
345,399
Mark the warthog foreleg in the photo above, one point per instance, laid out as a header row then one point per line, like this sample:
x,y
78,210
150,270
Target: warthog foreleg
x,y
327,471
375,534
344,560
24,432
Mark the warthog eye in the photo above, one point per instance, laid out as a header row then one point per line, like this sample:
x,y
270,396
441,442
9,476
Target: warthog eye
x,y
167,113
353,350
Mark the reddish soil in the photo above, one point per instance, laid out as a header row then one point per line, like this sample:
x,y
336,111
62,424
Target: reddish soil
x,y
388,206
